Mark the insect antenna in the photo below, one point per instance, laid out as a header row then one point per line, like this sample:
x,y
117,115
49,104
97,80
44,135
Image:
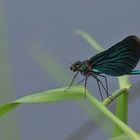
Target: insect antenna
x,y
72,81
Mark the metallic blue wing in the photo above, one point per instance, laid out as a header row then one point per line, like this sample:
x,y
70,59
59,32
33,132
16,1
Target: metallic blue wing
x,y
118,60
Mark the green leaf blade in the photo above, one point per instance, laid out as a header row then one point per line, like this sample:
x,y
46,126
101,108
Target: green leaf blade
x,y
54,95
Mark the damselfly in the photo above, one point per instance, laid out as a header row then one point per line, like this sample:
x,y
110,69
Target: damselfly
x,y
118,60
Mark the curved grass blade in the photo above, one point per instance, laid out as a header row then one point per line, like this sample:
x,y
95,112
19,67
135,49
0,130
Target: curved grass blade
x,y
7,107
132,134
90,40
49,96
122,104
97,119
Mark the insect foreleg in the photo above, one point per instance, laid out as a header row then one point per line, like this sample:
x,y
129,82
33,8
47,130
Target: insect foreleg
x,y
72,81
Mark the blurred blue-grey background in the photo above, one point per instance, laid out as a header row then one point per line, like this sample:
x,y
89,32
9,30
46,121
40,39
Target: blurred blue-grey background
x,y
50,25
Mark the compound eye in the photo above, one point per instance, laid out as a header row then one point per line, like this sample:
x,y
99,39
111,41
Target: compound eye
x,y
78,63
71,68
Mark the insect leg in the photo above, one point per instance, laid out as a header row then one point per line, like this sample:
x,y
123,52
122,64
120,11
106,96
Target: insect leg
x,y
105,89
72,81
102,86
80,81
107,93
98,86
85,84
105,81
109,96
